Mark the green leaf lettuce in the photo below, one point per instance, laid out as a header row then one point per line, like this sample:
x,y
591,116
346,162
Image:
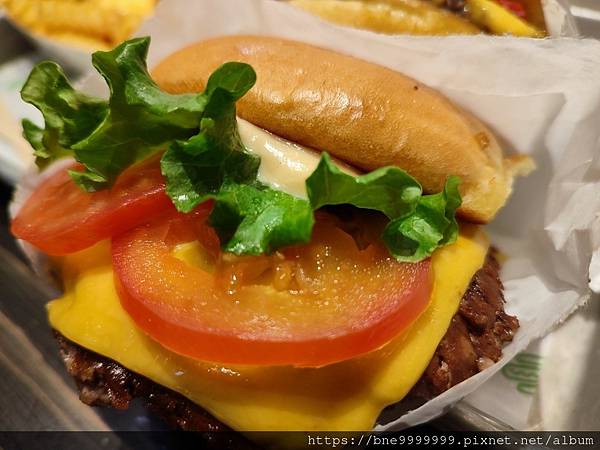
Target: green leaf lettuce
x,y
69,115
253,219
418,223
204,158
195,169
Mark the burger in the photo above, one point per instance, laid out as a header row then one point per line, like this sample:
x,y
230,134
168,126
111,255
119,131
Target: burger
x,y
523,18
265,235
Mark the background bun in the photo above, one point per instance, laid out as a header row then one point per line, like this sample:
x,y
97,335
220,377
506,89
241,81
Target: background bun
x,y
360,112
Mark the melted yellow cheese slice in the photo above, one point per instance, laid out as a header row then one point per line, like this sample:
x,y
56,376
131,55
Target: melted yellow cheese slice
x,y
344,396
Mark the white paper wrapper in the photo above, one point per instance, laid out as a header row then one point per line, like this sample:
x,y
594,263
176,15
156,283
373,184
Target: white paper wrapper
x,y
542,97
559,21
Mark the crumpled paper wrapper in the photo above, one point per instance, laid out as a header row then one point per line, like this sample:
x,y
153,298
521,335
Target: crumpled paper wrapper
x,y
553,384
542,97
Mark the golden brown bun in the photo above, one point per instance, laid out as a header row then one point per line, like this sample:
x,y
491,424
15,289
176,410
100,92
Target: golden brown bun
x,y
362,113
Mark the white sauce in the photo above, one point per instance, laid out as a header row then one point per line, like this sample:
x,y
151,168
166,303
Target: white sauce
x,y
284,165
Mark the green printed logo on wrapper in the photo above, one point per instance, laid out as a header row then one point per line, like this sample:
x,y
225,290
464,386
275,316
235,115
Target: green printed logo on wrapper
x,y
525,370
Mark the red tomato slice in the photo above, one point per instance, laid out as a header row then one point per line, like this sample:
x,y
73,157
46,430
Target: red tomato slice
x,y
515,7
309,305
60,218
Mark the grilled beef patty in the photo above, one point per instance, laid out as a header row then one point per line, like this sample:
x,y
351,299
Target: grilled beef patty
x,y
473,342
475,337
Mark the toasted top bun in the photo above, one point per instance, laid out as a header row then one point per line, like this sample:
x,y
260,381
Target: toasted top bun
x,y
362,113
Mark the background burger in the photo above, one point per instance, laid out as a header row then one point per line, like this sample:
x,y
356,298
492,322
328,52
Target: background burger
x,y
230,274
434,17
